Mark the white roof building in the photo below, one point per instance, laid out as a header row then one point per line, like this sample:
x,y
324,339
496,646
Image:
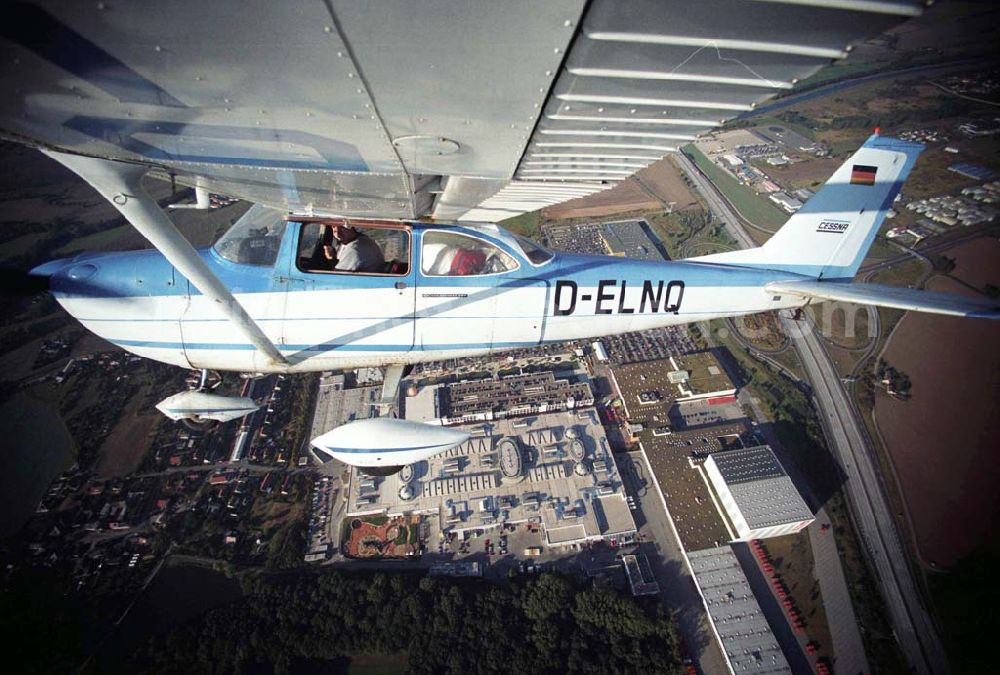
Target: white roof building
x,y
790,204
599,351
743,630
758,496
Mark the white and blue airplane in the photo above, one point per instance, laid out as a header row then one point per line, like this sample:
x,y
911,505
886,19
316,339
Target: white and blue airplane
x,y
423,123
452,291
515,294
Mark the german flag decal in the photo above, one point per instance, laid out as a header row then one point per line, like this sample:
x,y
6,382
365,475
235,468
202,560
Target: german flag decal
x,y
863,175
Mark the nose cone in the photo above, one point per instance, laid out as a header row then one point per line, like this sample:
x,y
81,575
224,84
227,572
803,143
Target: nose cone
x,y
68,275
46,270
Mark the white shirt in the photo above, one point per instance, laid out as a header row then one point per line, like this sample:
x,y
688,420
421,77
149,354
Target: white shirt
x,y
360,255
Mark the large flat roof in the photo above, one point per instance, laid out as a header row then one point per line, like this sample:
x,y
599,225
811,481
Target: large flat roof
x,y
337,405
572,504
705,374
673,460
746,636
506,393
677,378
748,464
422,407
631,239
763,492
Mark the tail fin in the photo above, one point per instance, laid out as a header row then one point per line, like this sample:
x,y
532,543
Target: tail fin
x,y
830,236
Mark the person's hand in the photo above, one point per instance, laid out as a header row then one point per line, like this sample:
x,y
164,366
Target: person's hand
x,y
329,253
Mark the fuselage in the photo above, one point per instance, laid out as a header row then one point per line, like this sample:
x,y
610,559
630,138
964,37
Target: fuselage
x,y
332,320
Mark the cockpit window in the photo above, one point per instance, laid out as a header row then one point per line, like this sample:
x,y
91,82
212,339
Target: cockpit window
x,y
533,251
456,255
255,238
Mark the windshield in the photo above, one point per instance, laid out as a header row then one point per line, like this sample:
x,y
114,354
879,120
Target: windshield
x,y
534,252
254,239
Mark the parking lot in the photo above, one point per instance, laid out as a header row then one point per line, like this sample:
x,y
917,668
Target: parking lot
x,y
648,345
319,546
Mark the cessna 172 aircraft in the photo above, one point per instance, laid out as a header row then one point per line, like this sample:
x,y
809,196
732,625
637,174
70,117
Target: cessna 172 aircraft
x,y
421,123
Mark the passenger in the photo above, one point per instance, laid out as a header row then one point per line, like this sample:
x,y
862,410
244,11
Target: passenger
x,y
357,252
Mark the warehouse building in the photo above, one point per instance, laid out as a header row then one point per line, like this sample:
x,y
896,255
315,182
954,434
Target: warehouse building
x,y
650,388
757,495
745,635
789,204
511,396
630,239
699,376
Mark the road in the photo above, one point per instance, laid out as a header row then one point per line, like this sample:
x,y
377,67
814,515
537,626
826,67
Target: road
x,y
873,518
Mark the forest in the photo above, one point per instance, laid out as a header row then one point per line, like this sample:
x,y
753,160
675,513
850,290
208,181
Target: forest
x,y
315,622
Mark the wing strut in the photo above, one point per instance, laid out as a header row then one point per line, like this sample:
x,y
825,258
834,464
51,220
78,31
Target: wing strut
x,y
121,184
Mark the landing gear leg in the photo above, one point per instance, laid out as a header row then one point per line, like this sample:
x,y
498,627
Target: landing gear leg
x,y
205,383
390,384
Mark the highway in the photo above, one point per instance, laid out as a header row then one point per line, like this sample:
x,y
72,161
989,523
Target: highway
x,y
872,516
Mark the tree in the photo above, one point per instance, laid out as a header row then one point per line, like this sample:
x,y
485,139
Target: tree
x,y
547,596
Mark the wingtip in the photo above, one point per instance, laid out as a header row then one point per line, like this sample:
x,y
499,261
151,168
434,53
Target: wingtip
x,y
992,314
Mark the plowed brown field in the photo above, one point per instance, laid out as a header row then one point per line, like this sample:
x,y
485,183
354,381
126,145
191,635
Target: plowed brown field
x,y
944,441
654,188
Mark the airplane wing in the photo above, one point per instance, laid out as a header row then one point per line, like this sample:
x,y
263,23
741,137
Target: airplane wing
x,y
890,296
472,111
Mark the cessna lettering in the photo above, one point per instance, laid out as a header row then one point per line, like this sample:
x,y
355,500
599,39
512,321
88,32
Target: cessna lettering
x,y
833,226
610,298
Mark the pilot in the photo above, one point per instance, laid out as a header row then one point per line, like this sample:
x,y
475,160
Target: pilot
x,y
357,252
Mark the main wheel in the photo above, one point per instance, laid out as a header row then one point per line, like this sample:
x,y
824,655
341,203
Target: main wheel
x,y
196,424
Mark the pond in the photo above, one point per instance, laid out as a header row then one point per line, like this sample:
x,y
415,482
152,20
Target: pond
x,y
35,447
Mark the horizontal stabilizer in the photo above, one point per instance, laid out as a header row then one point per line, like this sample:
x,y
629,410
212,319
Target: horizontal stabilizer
x,y
890,296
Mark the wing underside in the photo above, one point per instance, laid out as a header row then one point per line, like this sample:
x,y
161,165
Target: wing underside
x,y
421,109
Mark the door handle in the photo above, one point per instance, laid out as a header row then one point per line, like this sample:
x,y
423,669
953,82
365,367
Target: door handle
x,y
400,285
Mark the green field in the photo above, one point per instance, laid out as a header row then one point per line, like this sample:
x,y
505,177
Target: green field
x,y
756,209
526,224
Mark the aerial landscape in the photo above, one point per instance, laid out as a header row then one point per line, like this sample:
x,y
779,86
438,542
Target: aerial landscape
x,y
398,385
